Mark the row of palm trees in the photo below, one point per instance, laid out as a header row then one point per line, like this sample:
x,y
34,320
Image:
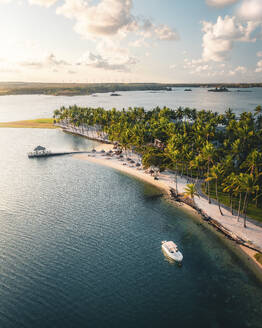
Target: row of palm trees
x,y
223,150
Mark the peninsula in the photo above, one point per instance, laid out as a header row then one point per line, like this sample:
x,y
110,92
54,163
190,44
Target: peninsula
x,y
213,158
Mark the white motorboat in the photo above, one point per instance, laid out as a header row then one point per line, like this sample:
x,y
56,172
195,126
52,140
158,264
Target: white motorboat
x,y
171,250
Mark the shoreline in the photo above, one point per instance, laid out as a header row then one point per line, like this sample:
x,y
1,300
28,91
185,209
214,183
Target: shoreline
x,y
165,183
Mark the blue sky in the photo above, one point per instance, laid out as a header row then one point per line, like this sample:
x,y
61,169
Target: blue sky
x,y
131,40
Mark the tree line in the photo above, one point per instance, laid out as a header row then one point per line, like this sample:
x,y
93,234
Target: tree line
x,y
222,151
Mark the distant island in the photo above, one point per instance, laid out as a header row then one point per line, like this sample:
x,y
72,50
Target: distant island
x,y
76,89
220,89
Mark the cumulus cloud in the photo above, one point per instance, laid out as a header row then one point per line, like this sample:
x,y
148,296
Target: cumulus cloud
x,y
251,10
201,68
109,18
160,32
44,3
48,61
238,70
218,38
109,56
97,61
241,69
259,67
220,3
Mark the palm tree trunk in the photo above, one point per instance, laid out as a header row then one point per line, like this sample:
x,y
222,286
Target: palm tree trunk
x,y
239,205
208,185
176,179
231,203
218,200
244,209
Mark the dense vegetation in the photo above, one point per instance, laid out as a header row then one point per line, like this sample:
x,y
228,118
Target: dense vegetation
x,y
72,89
221,150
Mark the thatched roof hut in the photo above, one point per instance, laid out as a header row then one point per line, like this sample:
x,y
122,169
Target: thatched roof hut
x,y
39,148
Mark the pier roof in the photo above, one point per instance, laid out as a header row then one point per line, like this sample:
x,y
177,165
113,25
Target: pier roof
x,y
39,148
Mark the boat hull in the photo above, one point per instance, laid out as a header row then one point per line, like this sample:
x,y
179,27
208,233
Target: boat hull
x,y
177,256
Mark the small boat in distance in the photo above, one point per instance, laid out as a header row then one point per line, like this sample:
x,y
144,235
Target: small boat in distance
x,y
171,250
114,94
188,90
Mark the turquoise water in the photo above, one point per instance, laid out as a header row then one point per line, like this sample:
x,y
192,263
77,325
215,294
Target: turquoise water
x,y
34,106
81,247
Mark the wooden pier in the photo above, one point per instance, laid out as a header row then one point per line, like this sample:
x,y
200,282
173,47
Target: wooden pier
x,y
40,151
50,154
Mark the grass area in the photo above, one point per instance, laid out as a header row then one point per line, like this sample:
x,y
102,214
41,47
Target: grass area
x,y
252,211
258,257
42,123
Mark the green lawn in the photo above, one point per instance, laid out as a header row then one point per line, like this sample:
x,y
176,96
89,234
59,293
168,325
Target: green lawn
x,y
252,211
44,123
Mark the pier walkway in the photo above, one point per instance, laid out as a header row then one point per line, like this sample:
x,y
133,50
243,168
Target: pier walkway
x,y
49,153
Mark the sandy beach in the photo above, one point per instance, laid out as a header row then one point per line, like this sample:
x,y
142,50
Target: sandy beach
x,y
252,234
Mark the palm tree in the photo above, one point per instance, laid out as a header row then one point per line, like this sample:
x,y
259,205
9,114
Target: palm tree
x,y
258,110
229,187
191,191
208,153
247,184
250,186
216,173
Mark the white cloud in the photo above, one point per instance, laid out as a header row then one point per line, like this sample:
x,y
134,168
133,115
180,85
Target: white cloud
x,y
240,69
218,38
97,61
201,68
220,3
109,18
251,10
259,67
48,61
139,43
109,56
160,32
44,3
163,32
